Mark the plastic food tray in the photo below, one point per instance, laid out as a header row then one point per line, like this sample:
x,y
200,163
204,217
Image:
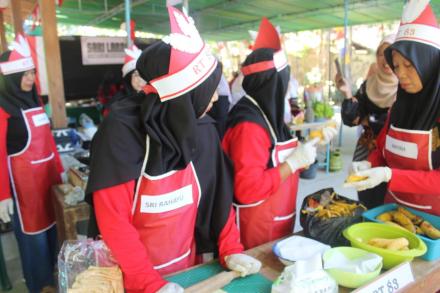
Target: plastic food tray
x,y
433,246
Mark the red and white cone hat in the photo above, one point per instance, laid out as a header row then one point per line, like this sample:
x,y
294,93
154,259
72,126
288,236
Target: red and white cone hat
x,y
131,56
20,58
268,37
419,24
191,61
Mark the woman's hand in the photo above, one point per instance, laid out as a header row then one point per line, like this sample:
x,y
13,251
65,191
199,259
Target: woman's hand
x,y
6,210
242,263
303,156
375,176
343,86
171,288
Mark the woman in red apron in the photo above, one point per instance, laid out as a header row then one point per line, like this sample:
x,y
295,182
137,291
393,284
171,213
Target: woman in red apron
x,y
162,188
409,145
29,166
265,156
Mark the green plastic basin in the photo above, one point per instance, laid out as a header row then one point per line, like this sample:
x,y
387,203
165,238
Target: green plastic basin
x,y
347,279
359,234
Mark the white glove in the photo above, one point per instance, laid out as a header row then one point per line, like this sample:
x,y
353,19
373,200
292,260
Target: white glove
x,y
360,166
328,133
242,263
375,177
6,210
304,155
171,288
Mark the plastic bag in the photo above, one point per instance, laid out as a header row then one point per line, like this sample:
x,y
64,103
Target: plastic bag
x,y
78,257
305,276
328,231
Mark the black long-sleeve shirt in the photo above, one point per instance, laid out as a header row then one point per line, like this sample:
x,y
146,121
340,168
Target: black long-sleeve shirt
x,y
370,115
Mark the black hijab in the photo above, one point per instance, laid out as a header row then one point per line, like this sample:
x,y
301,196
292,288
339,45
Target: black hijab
x,y
419,111
126,90
268,88
174,134
13,99
118,148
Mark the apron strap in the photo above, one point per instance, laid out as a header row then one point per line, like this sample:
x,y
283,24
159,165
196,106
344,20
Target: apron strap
x,y
272,132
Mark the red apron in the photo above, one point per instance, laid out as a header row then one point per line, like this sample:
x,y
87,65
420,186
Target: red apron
x,y
164,213
410,149
33,171
272,218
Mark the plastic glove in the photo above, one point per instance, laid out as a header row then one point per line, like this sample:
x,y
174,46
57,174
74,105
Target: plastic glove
x,y
6,210
360,166
242,263
303,156
328,133
375,177
171,288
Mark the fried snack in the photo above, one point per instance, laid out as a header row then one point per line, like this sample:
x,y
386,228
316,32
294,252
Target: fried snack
x,y
98,280
430,230
414,218
419,231
337,209
393,224
354,178
404,221
385,217
391,244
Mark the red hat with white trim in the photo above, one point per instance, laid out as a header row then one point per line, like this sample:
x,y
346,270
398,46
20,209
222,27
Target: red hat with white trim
x,y
20,58
269,38
419,24
191,61
131,56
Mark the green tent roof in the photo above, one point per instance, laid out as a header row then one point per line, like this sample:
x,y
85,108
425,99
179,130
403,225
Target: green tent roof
x,y
231,19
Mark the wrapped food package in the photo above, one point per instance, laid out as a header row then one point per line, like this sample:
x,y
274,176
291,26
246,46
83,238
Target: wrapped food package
x,y
87,266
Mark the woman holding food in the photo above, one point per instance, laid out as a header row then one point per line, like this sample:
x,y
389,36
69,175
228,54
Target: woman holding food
x,y
408,153
161,185
266,158
369,108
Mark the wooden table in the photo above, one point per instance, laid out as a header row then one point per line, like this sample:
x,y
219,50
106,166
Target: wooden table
x,y
426,274
67,216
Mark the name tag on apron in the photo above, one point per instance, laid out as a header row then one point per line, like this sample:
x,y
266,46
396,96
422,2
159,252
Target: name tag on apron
x,y
401,148
154,204
40,119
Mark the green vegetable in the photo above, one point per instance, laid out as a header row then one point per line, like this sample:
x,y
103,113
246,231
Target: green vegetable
x,y
322,110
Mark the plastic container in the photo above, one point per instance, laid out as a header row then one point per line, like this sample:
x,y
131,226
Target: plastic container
x,y
347,279
433,246
335,161
360,233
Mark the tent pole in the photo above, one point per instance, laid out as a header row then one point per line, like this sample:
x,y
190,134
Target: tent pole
x,y
16,17
127,21
53,63
344,62
3,44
